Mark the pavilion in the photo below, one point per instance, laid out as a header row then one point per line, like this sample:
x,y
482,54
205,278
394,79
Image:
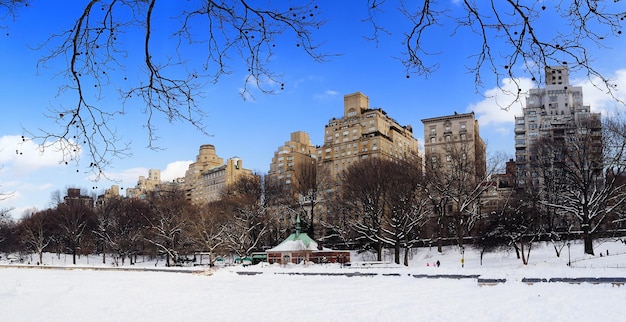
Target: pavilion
x,y
300,248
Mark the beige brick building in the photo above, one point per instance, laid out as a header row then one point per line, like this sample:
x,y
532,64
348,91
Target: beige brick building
x,y
206,179
361,133
298,150
454,137
145,185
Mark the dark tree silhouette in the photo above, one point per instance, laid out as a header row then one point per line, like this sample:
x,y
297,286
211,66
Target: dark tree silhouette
x,y
35,231
74,220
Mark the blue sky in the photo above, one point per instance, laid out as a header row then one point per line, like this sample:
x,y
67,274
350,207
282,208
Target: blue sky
x,y
252,129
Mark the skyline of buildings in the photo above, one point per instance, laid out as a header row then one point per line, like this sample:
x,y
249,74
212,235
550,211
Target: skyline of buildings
x,y
369,132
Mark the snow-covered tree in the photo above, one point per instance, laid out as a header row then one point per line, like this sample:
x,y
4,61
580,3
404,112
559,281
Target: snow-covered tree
x,y
168,223
587,166
208,227
74,219
364,187
35,231
248,206
407,208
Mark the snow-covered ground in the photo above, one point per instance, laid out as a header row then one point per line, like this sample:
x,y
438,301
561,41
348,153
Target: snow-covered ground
x,y
320,293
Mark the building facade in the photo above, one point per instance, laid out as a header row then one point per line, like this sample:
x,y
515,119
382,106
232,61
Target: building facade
x,y
295,152
206,179
552,112
145,185
361,133
450,138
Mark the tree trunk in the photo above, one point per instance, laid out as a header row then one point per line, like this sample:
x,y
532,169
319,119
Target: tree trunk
x,y
406,256
396,254
588,239
311,230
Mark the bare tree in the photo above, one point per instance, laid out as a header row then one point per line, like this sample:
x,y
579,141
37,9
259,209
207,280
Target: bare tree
x,y
35,232
516,225
248,206
208,225
309,183
364,188
129,228
510,36
106,215
455,183
7,230
168,222
587,166
74,220
407,208
98,44
99,53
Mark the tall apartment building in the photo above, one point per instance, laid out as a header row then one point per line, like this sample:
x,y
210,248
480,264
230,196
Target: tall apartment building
x,y
552,111
298,150
361,133
145,185
206,179
451,137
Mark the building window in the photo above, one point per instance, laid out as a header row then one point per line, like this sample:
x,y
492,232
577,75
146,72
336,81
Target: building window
x,y
433,140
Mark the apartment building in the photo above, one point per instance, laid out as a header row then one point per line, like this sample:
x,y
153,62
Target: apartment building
x,y
296,152
145,184
453,138
206,179
554,111
364,132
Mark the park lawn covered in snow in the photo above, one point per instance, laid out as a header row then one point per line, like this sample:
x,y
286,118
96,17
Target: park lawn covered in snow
x,y
275,293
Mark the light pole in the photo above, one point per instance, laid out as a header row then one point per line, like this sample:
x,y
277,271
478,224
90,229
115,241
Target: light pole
x,y
462,256
569,257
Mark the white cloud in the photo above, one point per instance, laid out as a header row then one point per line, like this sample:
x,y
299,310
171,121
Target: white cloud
x,y
598,97
126,178
326,95
490,109
22,156
503,130
498,105
175,170
129,177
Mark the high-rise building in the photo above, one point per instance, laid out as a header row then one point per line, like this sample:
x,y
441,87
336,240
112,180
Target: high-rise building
x,y
296,152
453,138
206,179
361,133
554,111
